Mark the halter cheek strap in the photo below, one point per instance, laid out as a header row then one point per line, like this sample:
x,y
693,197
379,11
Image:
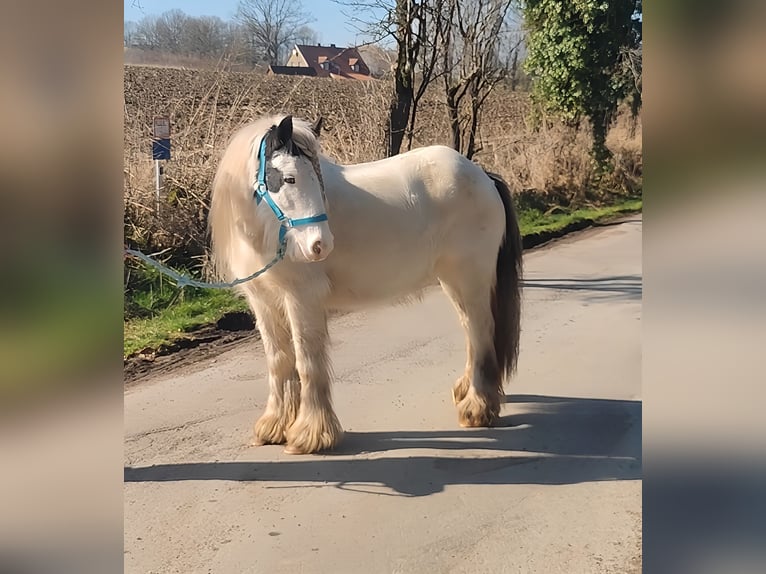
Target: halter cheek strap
x,y
262,194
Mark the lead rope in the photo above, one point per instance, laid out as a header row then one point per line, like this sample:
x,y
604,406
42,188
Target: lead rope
x,y
185,281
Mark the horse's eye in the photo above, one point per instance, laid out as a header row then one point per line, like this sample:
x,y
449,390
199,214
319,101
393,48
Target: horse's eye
x,y
289,179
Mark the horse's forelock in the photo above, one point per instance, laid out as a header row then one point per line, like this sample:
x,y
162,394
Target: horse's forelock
x,y
305,138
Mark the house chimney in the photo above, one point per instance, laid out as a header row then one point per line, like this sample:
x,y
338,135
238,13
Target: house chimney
x,y
332,45
319,44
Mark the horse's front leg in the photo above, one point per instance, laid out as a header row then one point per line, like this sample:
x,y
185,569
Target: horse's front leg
x,y
316,428
284,387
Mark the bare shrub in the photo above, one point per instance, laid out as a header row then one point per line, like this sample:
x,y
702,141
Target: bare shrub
x,y
546,164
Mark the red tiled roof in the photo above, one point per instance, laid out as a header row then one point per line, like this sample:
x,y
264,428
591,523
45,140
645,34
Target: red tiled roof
x,y
340,61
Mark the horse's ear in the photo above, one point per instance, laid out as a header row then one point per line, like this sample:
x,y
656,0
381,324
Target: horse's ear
x,y
285,130
317,126
279,135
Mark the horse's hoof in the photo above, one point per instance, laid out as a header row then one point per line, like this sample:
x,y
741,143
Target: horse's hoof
x,y
474,423
310,435
294,450
261,442
269,429
460,389
476,411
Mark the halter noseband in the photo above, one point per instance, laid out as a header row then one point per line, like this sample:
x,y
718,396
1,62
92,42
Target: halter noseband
x,y
262,193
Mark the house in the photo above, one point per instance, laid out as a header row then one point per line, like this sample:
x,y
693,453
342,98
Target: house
x,y
326,62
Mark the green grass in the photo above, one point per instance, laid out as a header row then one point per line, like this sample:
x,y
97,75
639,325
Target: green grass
x,y
534,221
158,312
179,318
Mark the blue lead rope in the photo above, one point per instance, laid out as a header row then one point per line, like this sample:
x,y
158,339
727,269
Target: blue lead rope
x,y
286,223
184,281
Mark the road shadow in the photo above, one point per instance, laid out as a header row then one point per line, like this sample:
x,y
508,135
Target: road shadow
x,y
552,440
625,287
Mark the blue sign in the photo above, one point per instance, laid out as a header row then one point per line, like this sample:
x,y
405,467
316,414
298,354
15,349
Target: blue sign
x,y
161,148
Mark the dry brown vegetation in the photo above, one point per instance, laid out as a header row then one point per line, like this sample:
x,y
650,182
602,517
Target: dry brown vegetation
x,y
546,166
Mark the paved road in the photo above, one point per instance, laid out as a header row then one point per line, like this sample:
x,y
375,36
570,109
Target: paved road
x,y
555,488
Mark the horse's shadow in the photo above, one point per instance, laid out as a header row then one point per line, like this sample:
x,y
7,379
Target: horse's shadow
x,y
556,440
613,288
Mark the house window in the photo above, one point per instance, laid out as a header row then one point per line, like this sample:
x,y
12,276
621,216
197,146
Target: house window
x,y
354,67
325,65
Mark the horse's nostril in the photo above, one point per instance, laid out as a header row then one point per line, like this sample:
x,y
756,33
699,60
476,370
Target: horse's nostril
x,y
317,247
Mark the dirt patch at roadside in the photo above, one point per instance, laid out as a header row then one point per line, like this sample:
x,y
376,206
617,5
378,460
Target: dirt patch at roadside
x,y
202,343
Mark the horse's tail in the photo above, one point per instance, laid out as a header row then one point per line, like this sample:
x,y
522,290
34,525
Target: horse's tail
x,y
506,297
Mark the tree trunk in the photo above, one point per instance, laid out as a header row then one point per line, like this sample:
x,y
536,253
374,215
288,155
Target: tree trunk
x,y
515,70
399,113
471,147
601,153
401,102
411,126
454,119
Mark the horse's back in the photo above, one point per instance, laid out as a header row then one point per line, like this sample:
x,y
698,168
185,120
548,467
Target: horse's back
x,y
436,174
459,191
397,220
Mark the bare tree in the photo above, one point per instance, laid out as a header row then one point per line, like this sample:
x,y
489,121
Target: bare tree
x,y
471,44
432,23
408,37
145,33
419,31
306,35
175,32
164,32
204,36
472,64
414,26
170,27
272,25
129,32
236,46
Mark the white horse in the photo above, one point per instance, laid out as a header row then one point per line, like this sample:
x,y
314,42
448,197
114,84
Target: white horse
x,y
355,235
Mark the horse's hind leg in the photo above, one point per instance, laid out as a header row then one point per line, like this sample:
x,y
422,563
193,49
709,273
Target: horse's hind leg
x,y
460,388
317,427
478,392
284,387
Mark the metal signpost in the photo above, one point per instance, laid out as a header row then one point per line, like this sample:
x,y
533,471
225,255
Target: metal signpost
x,y
160,150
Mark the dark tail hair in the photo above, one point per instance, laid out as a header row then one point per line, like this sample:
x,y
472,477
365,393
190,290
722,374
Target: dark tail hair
x,y
506,296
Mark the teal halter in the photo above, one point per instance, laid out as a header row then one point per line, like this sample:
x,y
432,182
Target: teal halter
x,y
262,193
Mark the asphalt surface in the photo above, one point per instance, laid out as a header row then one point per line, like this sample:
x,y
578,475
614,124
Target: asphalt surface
x,y
555,487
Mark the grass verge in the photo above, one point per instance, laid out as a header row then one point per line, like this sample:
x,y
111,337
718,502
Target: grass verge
x,y
533,221
177,319
202,307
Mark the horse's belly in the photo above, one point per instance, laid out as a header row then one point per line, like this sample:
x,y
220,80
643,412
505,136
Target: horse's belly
x,y
375,280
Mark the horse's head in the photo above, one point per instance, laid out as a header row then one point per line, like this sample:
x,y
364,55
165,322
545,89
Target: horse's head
x,y
294,188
